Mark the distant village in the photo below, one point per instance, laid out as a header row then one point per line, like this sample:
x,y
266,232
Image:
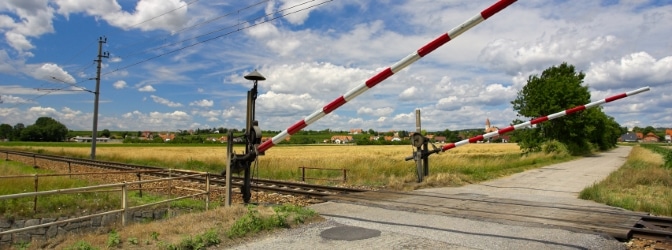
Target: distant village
x,y
351,136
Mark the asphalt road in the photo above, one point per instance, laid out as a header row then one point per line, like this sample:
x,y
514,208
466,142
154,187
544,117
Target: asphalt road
x,y
356,226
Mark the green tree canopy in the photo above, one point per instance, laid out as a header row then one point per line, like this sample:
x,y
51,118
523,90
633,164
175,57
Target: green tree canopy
x,y
556,89
105,133
45,129
6,131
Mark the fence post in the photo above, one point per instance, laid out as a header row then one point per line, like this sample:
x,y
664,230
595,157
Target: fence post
x,y
170,188
69,169
123,205
6,156
35,197
34,161
345,178
207,191
303,173
139,185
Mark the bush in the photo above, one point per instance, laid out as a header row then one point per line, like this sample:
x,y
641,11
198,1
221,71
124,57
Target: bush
x,y
554,146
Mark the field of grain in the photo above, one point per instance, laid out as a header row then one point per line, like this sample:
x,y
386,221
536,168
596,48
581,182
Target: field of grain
x,y
379,166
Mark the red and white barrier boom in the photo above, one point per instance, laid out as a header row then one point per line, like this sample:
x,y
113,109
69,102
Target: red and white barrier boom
x,y
542,119
381,76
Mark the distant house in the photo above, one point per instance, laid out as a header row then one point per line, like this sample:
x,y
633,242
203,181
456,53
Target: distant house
x,y
341,139
167,136
356,131
640,136
628,137
440,139
651,137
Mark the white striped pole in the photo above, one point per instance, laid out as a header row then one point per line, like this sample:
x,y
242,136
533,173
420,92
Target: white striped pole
x,y
381,76
542,119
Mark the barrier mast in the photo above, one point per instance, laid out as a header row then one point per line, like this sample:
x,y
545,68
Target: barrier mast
x,y
386,73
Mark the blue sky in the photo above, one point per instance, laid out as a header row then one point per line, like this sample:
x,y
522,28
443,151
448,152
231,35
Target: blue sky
x,y
179,64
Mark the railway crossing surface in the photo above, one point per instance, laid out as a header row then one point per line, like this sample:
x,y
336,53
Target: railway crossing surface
x,y
536,209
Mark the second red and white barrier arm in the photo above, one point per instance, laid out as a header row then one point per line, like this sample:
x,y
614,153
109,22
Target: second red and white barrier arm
x,y
542,119
381,76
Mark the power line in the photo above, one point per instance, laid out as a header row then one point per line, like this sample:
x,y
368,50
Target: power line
x,y
192,27
225,34
52,90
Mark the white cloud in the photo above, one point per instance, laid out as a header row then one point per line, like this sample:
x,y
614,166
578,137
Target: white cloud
x,y
9,99
168,15
386,111
202,103
34,19
636,69
120,84
51,72
18,42
147,88
166,102
513,57
42,111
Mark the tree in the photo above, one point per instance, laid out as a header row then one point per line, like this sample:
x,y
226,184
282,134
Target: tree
x,y
17,131
558,88
105,133
6,131
648,129
45,129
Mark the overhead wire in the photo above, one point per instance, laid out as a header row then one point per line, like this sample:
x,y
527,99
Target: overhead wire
x,y
228,33
84,68
282,11
194,27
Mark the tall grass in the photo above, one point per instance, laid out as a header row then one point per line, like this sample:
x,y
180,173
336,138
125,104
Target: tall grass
x,y
641,184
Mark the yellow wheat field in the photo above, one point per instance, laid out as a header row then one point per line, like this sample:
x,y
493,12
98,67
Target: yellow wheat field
x,y
366,165
330,155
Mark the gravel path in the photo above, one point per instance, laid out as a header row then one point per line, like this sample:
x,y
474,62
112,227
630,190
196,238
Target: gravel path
x,y
351,226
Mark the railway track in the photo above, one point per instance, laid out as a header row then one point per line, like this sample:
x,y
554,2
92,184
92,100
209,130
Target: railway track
x,y
653,228
266,185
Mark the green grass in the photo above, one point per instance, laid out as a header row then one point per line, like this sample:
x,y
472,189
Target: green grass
x,y
254,221
642,184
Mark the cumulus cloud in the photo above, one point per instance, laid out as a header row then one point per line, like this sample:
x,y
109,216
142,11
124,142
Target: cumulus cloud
x,y
512,56
120,84
42,111
202,103
169,15
9,99
386,111
166,102
636,69
34,19
18,42
147,88
50,72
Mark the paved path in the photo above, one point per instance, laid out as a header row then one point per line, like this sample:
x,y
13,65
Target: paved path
x,y
352,226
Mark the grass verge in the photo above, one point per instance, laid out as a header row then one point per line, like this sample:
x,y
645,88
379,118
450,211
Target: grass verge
x,y
641,184
219,227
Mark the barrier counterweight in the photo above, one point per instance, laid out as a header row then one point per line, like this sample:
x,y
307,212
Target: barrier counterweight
x,y
386,73
542,119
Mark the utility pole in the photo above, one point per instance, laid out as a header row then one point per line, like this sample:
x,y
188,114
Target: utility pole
x,y
101,55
